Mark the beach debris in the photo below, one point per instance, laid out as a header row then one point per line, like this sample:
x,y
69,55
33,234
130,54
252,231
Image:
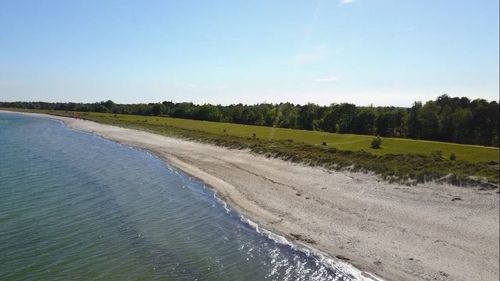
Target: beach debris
x,y
299,237
443,273
309,240
341,257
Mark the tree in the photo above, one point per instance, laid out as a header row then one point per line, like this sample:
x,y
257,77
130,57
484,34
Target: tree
x,y
347,112
288,116
429,120
307,115
329,121
414,122
364,121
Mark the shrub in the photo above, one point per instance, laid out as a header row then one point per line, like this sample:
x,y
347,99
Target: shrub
x,y
324,143
437,155
453,157
376,142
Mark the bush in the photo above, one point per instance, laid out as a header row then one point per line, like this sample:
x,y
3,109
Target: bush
x,y
376,142
437,155
453,157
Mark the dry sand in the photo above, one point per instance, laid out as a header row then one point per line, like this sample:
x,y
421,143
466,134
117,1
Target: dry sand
x,y
425,232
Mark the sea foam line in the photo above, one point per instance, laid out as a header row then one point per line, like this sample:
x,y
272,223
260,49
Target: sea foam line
x,y
323,258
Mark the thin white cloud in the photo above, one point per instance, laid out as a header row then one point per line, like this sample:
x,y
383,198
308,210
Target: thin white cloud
x,y
347,2
328,79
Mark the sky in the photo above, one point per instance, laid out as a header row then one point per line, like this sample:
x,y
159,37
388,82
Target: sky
x,y
380,52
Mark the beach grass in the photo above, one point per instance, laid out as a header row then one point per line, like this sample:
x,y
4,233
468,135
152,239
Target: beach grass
x,y
402,160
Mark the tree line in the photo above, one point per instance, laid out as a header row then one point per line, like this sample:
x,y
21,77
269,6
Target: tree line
x,y
450,119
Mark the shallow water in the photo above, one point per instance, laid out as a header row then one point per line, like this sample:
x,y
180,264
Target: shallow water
x,y
74,206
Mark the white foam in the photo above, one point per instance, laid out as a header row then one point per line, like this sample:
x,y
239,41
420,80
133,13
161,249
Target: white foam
x,y
336,265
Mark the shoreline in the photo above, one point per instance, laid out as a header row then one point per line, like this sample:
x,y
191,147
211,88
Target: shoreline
x,y
395,231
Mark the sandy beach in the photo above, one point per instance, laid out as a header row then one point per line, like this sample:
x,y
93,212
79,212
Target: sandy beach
x,y
425,232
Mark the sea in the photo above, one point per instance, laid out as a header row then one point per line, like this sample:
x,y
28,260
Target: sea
x,y
76,206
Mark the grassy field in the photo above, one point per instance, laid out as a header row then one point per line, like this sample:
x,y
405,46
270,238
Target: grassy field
x,y
469,153
398,160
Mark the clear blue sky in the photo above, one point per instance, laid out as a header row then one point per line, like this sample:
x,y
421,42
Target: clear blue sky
x,y
381,52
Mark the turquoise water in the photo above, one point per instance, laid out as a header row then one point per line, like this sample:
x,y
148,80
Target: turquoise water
x,y
74,206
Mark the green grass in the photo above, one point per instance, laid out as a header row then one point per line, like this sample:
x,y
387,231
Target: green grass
x,y
469,153
398,159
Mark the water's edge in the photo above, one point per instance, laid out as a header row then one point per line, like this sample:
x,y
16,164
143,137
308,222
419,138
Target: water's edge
x,y
328,260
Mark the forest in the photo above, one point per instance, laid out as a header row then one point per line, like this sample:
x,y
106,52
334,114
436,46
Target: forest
x,y
448,119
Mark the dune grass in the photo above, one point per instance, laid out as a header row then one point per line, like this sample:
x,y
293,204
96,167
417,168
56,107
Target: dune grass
x,y
401,160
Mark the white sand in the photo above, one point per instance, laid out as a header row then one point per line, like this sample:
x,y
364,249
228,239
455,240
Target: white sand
x,y
394,231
